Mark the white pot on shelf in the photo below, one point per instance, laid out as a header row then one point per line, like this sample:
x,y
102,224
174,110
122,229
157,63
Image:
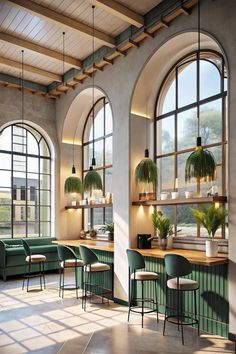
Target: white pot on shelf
x,y
211,248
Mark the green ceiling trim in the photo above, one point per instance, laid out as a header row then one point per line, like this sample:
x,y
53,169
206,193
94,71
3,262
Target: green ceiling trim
x,y
27,84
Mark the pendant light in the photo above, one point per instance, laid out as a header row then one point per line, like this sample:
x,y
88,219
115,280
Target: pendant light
x,y
201,163
146,171
92,179
73,184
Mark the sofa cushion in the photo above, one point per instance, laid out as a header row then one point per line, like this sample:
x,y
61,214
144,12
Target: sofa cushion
x,y
43,249
12,246
14,251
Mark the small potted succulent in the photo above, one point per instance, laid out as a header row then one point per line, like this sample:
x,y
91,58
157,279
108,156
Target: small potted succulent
x,y
162,227
211,219
110,231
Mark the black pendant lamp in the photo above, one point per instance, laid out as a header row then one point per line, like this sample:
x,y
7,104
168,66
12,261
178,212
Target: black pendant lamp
x,y
201,163
73,183
92,180
146,170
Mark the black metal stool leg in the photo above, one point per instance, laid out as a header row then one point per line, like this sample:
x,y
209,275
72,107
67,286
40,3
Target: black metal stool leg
x,y
195,310
182,315
164,326
44,283
63,282
76,283
40,275
28,276
157,307
142,302
60,270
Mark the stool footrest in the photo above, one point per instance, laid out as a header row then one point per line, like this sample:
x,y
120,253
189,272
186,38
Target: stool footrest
x,y
145,309
181,318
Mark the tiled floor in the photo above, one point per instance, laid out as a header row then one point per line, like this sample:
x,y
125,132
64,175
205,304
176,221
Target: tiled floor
x,y
41,322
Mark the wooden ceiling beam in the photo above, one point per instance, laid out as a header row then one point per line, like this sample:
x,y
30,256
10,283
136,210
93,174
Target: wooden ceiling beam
x,y
22,43
55,17
121,11
31,69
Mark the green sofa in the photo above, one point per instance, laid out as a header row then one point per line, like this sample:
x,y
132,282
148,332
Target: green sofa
x,y
12,256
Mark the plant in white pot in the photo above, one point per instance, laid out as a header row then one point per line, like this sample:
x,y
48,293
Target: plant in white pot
x,y
211,219
162,227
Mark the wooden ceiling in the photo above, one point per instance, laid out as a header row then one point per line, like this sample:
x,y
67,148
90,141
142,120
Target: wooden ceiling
x,y
37,25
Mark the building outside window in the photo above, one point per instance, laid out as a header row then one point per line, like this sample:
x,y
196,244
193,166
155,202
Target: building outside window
x,y
186,85
25,183
103,129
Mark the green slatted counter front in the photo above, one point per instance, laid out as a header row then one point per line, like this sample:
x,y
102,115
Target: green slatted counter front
x,y
211,274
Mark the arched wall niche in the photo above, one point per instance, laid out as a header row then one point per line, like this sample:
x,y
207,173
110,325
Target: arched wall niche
x,y
77,114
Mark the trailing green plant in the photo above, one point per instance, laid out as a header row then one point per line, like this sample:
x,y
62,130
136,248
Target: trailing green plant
x,y
73,184
92,181
146,172
161,224
110,227
211,218
200,164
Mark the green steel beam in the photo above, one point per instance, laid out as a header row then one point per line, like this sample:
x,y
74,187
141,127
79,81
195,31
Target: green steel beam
x,y
27,84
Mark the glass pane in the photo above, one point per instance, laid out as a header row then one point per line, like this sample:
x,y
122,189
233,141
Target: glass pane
x,y
33,229
5,139
108,180
99,153
45,213
205,186
187,86
5,179
19,148
168,210
187,129
5,213
211,122
99,124
19,212
209,79
44,182
165,135
88,152
33,164
44,151
32,147
5,196
109,123
108,215
169,100
5,161
5,230
217,152
182,186
166,168
19,163
45,197
33,180
19,179
108,151
32,212
45,229
88,135
45,166
98,217
185,221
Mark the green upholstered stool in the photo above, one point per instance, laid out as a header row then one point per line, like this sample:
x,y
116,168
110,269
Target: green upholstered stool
x,y
138,274
176,268
68,259
91,265
30,260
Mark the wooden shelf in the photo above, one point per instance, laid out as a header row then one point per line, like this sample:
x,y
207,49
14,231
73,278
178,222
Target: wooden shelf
x,y
89,206
179,201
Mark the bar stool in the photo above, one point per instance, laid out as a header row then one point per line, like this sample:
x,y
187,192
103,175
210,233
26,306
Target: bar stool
x,y
136,261
68,259
33,259
177,267
91,265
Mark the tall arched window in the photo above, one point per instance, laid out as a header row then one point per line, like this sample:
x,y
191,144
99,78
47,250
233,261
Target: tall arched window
x,y
25,183
103,128
186,86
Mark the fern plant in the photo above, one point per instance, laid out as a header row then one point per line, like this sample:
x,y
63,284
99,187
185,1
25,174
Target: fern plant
x,y
73,184
200,164
146,172
161,224
92,181
211,218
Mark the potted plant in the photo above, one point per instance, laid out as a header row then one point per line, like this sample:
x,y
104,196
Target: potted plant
x,y
92,181
211,219
110,231
163,227
73,186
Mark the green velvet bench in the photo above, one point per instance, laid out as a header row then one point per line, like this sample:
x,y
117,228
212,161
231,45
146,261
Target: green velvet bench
x,y
12,256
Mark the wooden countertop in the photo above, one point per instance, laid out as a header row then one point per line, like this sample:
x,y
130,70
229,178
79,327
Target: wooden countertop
x,y
195,257
94,244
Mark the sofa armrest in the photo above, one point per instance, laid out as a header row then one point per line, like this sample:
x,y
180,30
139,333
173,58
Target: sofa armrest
x,y
2,254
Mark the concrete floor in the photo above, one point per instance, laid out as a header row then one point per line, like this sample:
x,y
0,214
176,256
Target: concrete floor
x,y
41,322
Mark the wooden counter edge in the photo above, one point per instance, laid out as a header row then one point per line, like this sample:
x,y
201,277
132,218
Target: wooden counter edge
x,y
93,244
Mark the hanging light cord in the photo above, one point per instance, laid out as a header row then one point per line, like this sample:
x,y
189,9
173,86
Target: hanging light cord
x,y
198,67
22,87
146,153
63,56
93,49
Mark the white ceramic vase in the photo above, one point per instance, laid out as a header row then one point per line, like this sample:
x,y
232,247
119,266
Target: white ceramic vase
x,y
211,248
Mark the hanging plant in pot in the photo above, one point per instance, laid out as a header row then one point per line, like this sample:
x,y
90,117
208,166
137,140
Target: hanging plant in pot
x,y
211,219
162,227
73,185
146,177
92,180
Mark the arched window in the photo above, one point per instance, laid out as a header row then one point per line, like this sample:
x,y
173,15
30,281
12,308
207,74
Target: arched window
x,y
25,183
103,128
186,86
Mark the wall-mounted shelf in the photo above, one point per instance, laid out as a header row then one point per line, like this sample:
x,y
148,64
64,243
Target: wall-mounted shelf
x,y
179,201
89,206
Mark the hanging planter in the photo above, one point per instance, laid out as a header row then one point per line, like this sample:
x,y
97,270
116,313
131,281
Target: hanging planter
x,y
200,164
146,176
92,181
73,184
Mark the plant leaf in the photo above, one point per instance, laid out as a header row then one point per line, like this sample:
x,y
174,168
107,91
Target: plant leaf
x,y
200,164
92,181
146,172
73,185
